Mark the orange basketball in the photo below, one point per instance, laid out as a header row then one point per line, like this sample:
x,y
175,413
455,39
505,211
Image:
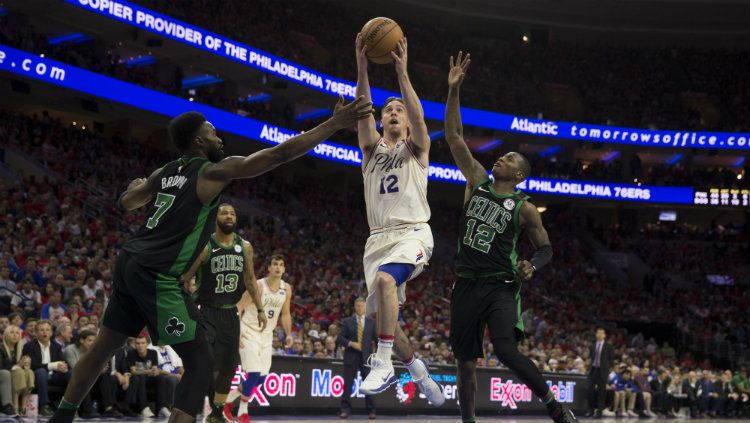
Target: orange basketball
x,y
381,36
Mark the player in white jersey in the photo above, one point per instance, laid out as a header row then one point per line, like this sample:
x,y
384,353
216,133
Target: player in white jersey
x,y
395,167
256,343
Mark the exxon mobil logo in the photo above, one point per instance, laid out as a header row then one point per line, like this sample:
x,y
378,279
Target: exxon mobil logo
x,y
325,384
284,385
509,394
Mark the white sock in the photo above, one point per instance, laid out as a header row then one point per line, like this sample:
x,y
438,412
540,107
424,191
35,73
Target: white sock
x,y
385,348
243,406
416,369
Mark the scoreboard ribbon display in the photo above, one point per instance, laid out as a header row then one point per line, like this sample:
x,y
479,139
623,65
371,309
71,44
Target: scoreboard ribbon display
x,y
28,65
168,27
301,385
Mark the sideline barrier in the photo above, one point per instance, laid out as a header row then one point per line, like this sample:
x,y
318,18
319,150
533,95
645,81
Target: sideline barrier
x,y
166,26
299,385
50,71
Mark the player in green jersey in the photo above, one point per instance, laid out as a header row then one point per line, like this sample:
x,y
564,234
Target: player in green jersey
x,y
489,274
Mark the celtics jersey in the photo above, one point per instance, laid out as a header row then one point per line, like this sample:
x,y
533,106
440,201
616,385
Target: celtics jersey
x,y
220,279
490,227
178,225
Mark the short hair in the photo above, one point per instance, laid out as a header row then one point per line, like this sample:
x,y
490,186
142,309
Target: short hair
x,y
83,335
225,205
61,328
44,322
390,100
182,129
360,300
277,257
598,328
524,165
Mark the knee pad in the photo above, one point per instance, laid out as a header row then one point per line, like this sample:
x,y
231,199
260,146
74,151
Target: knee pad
x,y
399,271
250,382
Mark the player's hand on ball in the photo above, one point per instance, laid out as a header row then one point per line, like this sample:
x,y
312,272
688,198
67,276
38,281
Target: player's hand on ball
x,y
288,341
399,59
525,270
458,69
360,51
263,320
135,183
346,115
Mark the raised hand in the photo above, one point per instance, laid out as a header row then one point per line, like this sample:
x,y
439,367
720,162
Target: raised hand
x,y
458,69
400,59
359,50
346,115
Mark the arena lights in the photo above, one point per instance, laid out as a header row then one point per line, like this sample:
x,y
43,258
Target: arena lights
x,y
49,71
166,26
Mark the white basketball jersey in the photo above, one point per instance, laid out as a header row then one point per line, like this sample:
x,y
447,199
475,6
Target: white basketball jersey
x,y
272,304
395,186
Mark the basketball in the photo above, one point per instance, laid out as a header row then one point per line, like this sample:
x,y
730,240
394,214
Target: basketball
x,y
381,36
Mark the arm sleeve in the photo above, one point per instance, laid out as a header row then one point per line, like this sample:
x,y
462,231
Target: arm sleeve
x,y
541,256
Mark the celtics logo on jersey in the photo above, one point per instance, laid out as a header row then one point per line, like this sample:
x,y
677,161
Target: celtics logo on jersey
x,y
174,326
222,273
222,265
486,218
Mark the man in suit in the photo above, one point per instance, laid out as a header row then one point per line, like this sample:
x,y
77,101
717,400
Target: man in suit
x,y
357,335
661,399
48,363
602,354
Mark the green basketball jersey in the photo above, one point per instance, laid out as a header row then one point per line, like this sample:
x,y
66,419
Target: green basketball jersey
x,y
490,227
220,278
178,225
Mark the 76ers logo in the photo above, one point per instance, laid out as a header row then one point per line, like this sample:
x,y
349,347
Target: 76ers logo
x,y
406,390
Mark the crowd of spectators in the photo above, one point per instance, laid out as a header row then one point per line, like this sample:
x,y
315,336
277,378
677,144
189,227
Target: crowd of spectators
x,y
679,87
712,261
628,85
105,59
56,266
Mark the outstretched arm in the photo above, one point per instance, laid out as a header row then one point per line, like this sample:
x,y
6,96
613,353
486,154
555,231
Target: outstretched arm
x,y
531,219
139,192
366,131
217,176
418,130
454,130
